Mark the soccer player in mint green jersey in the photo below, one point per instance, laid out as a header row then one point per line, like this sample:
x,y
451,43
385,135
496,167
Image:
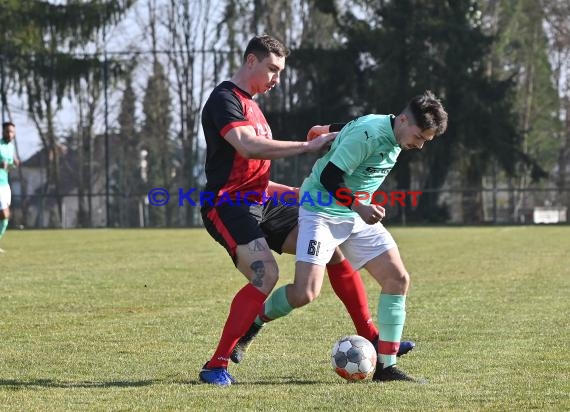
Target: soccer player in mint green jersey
x,y
359,160
7,159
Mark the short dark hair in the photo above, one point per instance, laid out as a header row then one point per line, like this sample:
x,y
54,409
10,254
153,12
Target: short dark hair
x,y
262,46
427,112
7,124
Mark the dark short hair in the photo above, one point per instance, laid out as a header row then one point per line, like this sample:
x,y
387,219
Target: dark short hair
x,y
7,124
262,46
427,112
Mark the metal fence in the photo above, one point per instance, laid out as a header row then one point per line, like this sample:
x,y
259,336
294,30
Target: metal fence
x,y
501,206
98,175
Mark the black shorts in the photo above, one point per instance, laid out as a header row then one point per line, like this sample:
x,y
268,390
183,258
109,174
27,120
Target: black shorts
x,y
233,225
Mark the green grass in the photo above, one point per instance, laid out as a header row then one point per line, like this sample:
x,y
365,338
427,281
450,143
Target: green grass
x,y
124,319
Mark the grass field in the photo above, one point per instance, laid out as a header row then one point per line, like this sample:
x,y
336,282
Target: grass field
x,y
124,319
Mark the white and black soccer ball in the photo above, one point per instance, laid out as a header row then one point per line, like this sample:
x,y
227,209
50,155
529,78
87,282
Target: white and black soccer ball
x,y
353,357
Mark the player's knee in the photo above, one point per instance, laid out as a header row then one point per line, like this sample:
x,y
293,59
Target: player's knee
x,y
302,297
309,296
270,278
402,278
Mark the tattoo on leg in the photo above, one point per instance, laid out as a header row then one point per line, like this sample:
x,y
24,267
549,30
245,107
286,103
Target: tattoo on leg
x,y
256,246
259,269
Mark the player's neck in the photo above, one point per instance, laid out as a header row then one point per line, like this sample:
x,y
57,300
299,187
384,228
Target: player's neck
x,y
396,127
241,80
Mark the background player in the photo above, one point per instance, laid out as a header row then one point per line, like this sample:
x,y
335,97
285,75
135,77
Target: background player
x,y
7,160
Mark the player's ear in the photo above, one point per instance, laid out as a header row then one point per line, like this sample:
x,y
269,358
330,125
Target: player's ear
x,y
251,59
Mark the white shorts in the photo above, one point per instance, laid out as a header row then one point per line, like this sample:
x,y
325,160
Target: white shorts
x,y
5,197
320,234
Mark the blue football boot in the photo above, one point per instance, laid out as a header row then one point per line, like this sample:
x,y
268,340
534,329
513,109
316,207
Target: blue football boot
x,y
405,347
216,376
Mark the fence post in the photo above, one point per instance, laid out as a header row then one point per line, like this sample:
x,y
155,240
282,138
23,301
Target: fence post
x,y
2,85
494,192
106,103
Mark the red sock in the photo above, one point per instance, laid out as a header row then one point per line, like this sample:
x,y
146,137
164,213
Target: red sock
x,y
347,284
243,310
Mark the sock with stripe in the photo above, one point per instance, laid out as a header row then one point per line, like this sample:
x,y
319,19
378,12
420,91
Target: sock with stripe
x,y
245,306
275,307
391,319
3,227
348,286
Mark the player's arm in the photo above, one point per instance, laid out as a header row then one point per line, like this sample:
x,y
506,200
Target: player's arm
x,y
318,130
249,145
7,165
227,115
332,179
279,188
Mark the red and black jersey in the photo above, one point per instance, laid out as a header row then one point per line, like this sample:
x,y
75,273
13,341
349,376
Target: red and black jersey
x,y
226,170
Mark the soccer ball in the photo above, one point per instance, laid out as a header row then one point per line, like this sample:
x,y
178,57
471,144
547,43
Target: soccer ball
x,y
353,357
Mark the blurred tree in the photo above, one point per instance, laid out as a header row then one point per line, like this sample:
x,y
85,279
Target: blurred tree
x,y
128,176
520,52
155,138
368,56
310,91
88,92
189,26
232,32
394,50
39,45
557,15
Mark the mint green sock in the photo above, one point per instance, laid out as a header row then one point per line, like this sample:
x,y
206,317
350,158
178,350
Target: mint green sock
x,y
276,306
3,227
391,319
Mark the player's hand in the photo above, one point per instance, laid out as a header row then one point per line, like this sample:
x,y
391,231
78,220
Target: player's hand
x,y
321,142
316,131
296,190
371,214
5,165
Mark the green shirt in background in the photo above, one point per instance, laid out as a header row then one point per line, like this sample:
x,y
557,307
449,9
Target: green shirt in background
x,y
6,155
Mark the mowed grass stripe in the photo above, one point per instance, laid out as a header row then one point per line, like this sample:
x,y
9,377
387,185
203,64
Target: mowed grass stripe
x,y
124,319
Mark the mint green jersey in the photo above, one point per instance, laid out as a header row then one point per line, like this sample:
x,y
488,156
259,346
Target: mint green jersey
x,y
366,150
6,155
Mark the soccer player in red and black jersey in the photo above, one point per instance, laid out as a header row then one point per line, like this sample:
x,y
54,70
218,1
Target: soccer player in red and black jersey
x,y
239,149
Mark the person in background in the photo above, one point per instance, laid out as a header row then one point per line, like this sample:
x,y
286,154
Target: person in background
x,y
8,159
